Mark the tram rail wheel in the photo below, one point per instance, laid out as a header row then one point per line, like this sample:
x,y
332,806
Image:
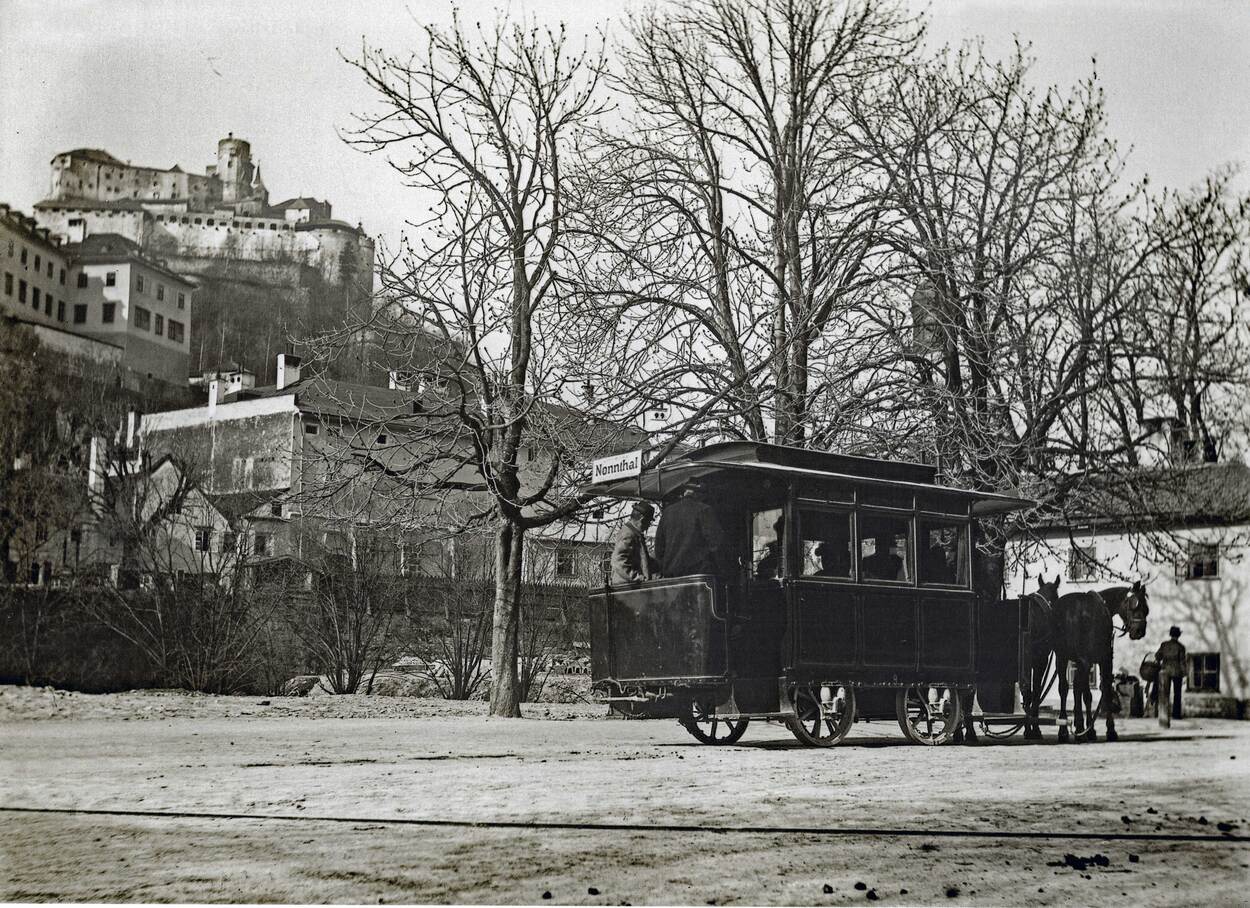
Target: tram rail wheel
x,y
823,713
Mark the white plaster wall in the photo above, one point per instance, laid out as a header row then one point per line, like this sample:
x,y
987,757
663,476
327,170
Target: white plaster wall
x,y
1212,613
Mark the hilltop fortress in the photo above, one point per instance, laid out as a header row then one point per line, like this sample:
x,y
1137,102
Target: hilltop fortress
x,y
264,272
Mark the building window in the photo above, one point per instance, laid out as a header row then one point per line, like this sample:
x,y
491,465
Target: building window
x,y
34,298
260,545
60,310
8,284
1204,672
1203,562
1083,563
275,508
139,282
21,291
49,268
38,263
62,277
110,312
47,305
159,325
311,428
80,314
160,291
176,331
203,538
143,318
110,279
23,256
82,279
566,563
182,301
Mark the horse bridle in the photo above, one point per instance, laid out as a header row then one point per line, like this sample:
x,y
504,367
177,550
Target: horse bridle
x,y
1138,599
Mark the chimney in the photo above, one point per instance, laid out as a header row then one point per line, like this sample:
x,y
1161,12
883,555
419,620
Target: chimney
x,y
288,370
214,391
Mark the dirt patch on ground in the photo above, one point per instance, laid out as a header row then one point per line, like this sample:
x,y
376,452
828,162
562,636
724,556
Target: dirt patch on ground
x,y
763,822
32,703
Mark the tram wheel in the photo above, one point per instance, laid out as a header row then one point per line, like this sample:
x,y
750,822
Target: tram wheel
x,y
928,714
823,713
708,728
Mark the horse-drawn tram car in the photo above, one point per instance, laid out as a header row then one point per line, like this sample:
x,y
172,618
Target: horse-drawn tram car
x,y
847,591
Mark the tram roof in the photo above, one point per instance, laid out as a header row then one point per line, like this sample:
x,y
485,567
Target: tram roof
x,y
797,463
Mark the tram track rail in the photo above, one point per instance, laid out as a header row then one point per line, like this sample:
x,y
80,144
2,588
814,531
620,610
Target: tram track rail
x,y
684,828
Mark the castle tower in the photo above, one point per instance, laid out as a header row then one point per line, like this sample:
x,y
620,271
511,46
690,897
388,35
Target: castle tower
x,y
234,168
258,189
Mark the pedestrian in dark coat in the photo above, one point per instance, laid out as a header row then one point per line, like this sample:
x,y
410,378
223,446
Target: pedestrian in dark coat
x,y
631,562
690,538
1171,657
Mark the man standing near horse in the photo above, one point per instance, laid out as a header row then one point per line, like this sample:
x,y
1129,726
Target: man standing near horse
x,y
1171,659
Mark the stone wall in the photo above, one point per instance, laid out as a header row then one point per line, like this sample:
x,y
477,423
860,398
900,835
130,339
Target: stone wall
x,y
260,282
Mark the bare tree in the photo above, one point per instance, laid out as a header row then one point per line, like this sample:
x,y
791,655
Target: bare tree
x,y
1194,341
736,223
482,123
351,622
181,592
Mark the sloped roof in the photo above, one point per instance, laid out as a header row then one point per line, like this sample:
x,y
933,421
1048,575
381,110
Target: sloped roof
x,y
301,202
234,505
1196,494
99,155
100,244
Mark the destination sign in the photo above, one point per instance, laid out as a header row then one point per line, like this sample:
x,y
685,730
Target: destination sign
x,y
618,466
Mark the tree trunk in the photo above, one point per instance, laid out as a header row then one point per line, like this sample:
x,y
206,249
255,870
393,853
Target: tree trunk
x,y
505,689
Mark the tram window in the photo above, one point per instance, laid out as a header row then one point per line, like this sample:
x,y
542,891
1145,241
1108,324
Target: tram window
x,y
826,543
766,531
884,547
943,551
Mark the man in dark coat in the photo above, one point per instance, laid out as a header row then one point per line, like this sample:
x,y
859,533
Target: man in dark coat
x,y
1171,658
690,538
631,562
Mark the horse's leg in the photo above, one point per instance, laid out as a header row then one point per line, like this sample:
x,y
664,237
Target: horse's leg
x,y
1036,682
1061,672
1091,715
1080,686
1110,699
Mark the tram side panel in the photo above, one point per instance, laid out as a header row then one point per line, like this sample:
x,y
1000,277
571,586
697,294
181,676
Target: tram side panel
x,y
671,630
874,636
1002,639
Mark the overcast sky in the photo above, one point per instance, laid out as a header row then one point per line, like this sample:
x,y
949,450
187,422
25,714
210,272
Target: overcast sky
x,y
158,83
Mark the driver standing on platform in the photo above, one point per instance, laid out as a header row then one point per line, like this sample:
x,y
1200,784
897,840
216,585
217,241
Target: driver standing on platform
x,y
690,538
631,562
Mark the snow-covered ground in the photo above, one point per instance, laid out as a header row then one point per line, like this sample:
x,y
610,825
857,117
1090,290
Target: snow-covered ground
x,y
871,820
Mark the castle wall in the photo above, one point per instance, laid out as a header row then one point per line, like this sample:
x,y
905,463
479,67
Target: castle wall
x,y
77,177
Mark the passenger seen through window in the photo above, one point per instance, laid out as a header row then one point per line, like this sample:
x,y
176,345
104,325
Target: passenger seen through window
x,y
884,547
766,539
943,552
825,543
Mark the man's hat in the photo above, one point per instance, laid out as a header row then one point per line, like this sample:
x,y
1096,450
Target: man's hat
x,y
642,509
1174,632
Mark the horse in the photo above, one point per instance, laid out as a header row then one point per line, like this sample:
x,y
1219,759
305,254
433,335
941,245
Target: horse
x,y
1084,634
1041,611
1130,604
